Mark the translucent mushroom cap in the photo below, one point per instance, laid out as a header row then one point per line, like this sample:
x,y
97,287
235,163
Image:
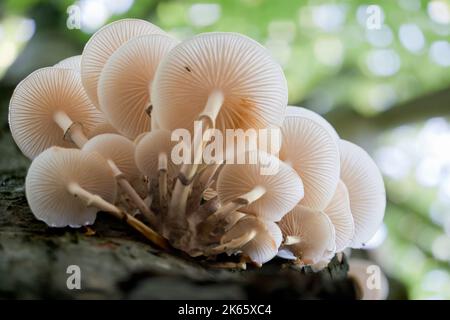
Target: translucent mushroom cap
x,y
264,246
371,282
252,83
124,85
313,231
103,43
49,175
35,101
73,63
284,188
116,148
366,191
309,145
101,128
339,212
148,149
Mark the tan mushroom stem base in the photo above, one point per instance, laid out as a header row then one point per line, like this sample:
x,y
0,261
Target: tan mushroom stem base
x,y
183,185
92,200
74,132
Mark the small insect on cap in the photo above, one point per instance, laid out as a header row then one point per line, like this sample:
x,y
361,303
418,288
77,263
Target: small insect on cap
x,y
48,180
102,45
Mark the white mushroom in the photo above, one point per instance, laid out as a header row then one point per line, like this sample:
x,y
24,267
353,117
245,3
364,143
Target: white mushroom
x,y
268,196
258,239
48,108
338,210
224,80
103,43
124,84
73,63
67,187
308,234
366,191
153,158
309,145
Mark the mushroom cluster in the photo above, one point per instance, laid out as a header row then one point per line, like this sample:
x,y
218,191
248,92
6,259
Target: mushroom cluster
x,y
99,128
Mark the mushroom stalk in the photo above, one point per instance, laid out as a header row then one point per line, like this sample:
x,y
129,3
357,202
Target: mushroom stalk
x,y
76,134
162,178
238,203
71,129
129,190
92,200
182,187
225,211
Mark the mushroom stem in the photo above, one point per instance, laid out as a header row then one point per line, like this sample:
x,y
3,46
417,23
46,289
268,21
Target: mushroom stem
x,y
238,203
92,200
224,212
162,176
131,192
71,129
177,206
235,243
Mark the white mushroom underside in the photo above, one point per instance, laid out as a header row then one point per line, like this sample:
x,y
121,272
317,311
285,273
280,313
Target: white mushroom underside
x,y
252,83
47,181
366,191
310,148
103,43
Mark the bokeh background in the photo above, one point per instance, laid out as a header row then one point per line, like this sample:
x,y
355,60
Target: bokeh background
x,y
383,83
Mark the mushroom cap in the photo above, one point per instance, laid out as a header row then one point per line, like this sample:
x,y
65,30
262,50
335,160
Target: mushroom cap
x,y
339,212
360,271
264,246
315,230
366,191
124,84
253,84
35,101
118,149
73,62
148,149
101,128
309,146
103,43
294,111
284,189
47,182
